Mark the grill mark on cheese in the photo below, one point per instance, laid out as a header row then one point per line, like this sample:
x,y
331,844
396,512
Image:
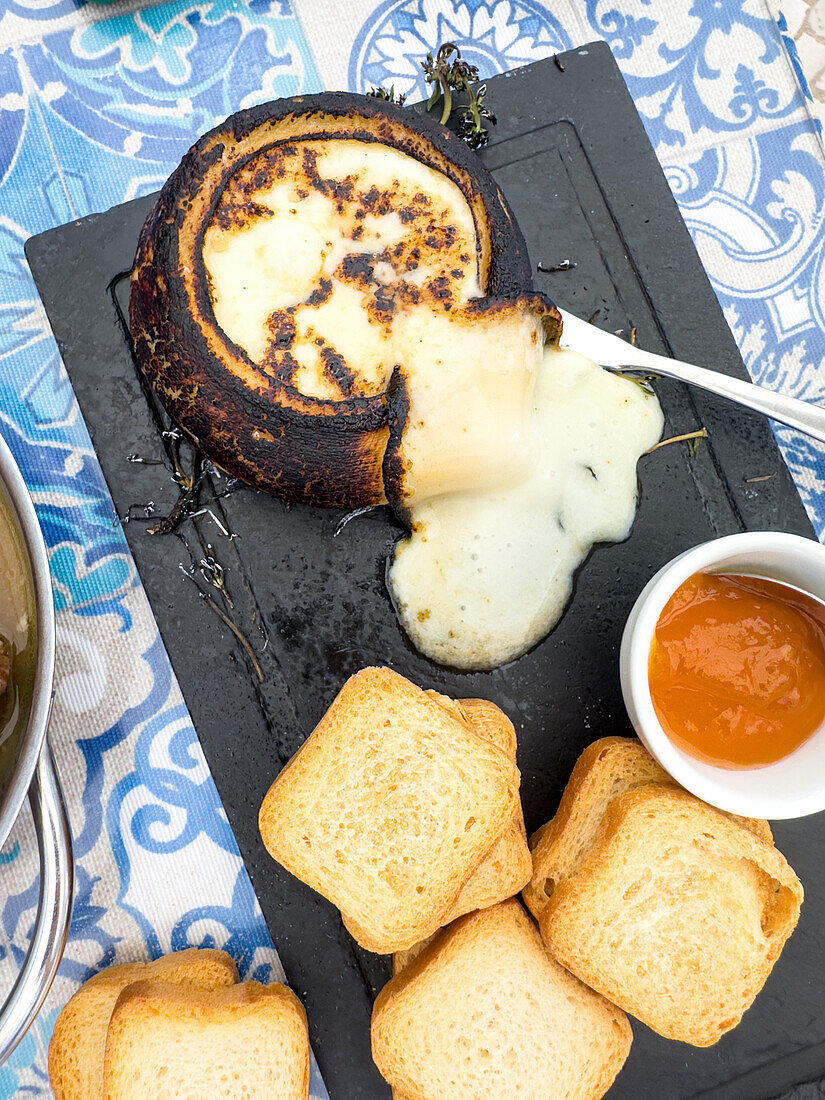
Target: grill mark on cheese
x,y
331,229
321,293
338,371
281,324
237,214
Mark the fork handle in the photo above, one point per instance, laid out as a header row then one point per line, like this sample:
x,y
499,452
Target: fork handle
x,y
801,415
616,355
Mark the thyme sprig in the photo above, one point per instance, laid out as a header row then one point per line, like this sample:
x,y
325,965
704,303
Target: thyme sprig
x,y
388,96
693,440
448,73
446,76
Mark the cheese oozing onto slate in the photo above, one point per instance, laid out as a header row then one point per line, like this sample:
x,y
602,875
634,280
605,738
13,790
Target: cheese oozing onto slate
x,y
486,572
333,264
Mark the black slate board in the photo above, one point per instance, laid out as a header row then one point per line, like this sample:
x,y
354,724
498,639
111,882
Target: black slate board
x,y
571,155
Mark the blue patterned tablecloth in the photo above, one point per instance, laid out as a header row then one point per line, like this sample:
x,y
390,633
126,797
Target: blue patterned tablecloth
x,y
97,104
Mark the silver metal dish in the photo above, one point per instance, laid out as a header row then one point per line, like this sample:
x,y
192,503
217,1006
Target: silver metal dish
x,y
33,773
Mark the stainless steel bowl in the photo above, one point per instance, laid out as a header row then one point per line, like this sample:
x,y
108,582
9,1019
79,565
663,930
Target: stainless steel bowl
x,y
33,774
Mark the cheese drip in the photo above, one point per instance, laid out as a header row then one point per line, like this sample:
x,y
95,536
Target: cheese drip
x,y
468,379
486,572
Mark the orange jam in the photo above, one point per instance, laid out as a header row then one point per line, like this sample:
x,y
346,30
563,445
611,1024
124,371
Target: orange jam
x,y
737,669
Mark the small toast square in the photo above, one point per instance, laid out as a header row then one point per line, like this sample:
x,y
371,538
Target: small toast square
x,y
79,1038
491,723
485,1012
388,808
245,1042
605,770
676,913
508,866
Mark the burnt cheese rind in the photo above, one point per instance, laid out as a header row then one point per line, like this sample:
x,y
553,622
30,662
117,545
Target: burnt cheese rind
x,y
259,428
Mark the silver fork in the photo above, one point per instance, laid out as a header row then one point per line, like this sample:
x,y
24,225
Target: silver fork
x,y
615,354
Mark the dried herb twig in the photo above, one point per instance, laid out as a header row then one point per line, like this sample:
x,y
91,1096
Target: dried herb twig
x,y
352,515
445,77
189,484
564,265
229,624
215,574
388,96
688,437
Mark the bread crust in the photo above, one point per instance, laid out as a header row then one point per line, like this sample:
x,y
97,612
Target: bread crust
x,y
76,1049
676,913
151,1009
508,866
264,432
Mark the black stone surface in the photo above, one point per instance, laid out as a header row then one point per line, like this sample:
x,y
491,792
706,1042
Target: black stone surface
x,y
573,159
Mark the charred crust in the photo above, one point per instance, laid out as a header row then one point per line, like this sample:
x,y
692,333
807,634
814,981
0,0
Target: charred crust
x,y
321,293
237,212
393,467
357,267
254,424
281,325
440,288
336,368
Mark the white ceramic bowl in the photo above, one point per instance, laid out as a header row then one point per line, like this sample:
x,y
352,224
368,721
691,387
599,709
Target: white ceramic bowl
x,y
793,786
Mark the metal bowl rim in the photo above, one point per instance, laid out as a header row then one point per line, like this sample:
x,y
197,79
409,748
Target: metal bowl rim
x,y
33,735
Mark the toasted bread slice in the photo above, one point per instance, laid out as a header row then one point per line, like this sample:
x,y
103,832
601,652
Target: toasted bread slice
x,y
246,1042
507,868
605,770
491,723
485,1012
676,913
402,959
79,1037
388,808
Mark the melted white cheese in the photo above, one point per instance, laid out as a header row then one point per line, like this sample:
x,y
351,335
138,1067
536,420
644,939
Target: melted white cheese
x,y
277,241
485,574
270,264
470,377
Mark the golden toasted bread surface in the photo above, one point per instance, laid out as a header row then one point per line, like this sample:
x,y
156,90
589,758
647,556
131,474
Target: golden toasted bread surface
x,y
388,808
507,867
485,1012
676,912
245,1042
607,768
79,1038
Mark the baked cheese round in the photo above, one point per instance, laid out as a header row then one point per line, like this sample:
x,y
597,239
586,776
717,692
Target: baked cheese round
x,y
272,267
